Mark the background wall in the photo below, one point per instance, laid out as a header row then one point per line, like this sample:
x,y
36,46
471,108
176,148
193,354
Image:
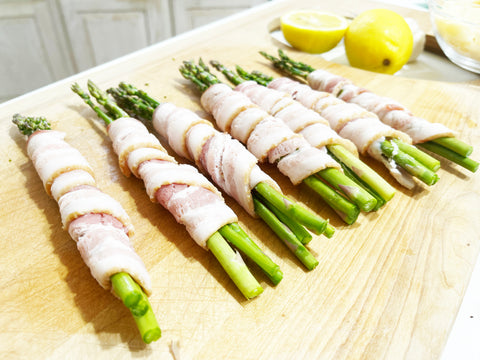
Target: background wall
x,y
42,41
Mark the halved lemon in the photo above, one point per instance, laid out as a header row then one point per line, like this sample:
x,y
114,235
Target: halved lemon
x,y
313,31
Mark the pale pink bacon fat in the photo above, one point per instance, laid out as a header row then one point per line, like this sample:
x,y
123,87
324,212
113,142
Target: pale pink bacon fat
x,y
104,245
181,189
350,121
266,137
52,156
308,123
232,167
98,223
389,111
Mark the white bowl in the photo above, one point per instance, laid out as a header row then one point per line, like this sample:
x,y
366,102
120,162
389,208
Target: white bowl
x,y
456,24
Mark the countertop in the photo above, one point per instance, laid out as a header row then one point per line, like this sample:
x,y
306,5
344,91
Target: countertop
x,y
394,285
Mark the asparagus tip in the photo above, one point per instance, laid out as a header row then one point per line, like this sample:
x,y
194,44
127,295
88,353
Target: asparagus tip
x,y
27,125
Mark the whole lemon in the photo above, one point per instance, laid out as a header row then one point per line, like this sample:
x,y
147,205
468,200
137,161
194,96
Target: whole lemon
x,y
313,31
378,40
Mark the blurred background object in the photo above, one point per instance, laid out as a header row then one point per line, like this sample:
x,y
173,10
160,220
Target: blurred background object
x,y
456,24
43,41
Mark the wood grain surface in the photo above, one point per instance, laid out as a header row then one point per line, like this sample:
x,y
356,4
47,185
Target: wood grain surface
x,y
387,287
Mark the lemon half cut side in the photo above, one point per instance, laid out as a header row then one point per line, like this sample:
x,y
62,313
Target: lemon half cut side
x,y
313,31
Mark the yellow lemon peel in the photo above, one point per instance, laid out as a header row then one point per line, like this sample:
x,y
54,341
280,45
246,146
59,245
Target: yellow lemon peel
x,y
378,40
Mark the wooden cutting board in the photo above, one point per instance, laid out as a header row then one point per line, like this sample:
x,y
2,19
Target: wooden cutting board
x,y
388,286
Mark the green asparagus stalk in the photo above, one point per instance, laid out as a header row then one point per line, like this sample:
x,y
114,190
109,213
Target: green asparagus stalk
x,y
286,235
291,209
303,70
233,264
348,172
363,195
138,101
409,163
350,188
146,325
260,78
456,145
234,234
139,104
422,157
459,151
451,155
300,232
361,198
131,294
217,244
364,173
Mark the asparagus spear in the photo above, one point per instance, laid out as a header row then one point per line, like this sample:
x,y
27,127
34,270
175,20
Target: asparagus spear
x,y
357,171
284,213
129,98
302,70
358,196
229,260
131,294
287,236
450,148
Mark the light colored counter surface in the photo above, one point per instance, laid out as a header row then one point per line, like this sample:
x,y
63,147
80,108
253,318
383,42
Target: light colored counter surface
x,y
390,286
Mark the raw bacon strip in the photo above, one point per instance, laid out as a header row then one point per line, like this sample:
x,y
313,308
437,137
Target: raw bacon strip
x,y
201,210
173,124
97,222
367,130
299,119
105,247
226,160
52,156
87,199
268,134
389,111
67,181
245,122
131,137
208,220
188,195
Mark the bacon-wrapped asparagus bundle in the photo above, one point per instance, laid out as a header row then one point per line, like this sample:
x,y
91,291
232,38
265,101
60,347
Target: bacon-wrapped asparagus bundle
x,y
311,125
96,222
230,165
184,192
269,139
434,137
391,147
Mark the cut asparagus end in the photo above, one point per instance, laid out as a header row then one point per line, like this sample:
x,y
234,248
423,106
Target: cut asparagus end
x,y
285,234
234,234
347,210
292,210
234,265
448,154
378,184
329,231
410,164
148,327
422,157
351,189
137,302
456,145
